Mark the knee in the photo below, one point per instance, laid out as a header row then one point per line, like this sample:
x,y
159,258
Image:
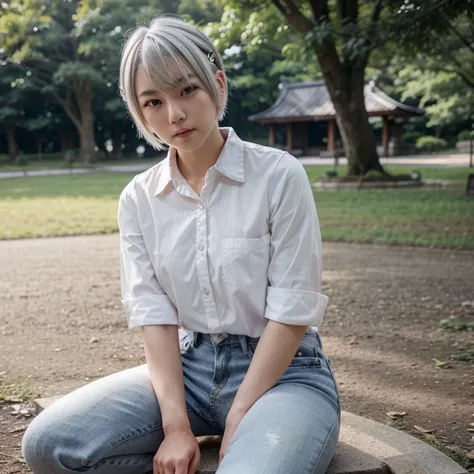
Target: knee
x,y
42,448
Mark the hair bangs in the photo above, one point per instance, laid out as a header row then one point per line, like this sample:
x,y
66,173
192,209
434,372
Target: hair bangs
x,y
163,64
168,61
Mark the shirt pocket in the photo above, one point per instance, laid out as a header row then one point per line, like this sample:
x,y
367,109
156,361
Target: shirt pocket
x,y
245,261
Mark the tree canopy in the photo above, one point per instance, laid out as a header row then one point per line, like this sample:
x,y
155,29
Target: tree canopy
x,y
66,54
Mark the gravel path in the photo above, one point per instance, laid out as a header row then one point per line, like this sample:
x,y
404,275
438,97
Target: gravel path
x,y
62,325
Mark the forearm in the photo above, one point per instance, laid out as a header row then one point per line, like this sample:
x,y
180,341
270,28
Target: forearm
x,y
275,350
166,373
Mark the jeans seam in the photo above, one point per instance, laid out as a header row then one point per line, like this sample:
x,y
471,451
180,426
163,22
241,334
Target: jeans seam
x,y
215,392
200,413
315,463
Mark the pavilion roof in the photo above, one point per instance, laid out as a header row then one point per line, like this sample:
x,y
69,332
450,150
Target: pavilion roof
x,y
311,101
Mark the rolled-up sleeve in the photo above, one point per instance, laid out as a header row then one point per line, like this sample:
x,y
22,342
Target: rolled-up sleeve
x,y
143,299
295,270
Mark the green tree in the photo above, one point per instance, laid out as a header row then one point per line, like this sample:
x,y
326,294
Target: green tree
x,y
47,46
444,96
12,95
433,68
341,34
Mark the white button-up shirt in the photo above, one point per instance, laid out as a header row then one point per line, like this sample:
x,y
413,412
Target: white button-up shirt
x,y
247,250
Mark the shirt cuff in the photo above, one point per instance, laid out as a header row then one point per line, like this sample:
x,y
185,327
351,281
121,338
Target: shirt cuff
x,y
298,307
150,310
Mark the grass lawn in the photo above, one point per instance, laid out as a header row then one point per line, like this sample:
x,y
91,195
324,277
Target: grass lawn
x,y
87,204
455,175
46,164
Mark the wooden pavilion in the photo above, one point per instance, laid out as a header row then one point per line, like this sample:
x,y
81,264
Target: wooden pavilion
x,y
304,118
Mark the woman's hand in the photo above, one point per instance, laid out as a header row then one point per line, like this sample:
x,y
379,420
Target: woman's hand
x,y
178,454
232,422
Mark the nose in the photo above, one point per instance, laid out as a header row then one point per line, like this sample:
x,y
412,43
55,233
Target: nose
x,y
176,113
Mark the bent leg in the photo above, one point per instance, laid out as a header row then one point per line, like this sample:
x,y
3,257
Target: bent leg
x,y
110,426
292,429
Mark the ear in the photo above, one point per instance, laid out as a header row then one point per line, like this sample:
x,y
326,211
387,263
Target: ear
x,y
221,83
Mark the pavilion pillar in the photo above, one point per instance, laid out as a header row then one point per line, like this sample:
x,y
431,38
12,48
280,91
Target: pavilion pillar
x,y
289,137
271,135
331,136
385,135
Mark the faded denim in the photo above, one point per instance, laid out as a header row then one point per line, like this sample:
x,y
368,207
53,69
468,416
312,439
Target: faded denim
x,y
113,425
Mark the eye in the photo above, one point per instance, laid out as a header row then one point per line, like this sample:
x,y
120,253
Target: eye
x,y
152,103
188,90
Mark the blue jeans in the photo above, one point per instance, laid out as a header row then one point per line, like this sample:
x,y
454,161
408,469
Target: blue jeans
x,y
113,425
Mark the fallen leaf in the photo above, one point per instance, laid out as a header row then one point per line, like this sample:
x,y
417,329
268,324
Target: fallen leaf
x,y
470,454
17,430
423,430
441,363
396,414
25,412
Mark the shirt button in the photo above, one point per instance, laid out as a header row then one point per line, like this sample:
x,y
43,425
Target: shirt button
x,y
201,247
206,291
201,207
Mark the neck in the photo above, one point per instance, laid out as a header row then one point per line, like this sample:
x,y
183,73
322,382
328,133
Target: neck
x,y
194,165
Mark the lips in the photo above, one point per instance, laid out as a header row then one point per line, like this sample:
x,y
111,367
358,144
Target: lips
x,y
183,132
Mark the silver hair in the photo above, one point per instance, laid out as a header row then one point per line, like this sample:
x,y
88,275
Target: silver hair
x,y
167,43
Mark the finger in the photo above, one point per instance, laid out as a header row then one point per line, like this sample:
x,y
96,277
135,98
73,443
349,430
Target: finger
x,y
195,462
181,468
169,469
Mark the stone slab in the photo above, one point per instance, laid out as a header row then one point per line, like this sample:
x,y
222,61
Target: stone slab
x,y
365,447
404,454
347,460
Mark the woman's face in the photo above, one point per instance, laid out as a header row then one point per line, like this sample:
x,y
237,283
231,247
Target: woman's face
x,y
170,113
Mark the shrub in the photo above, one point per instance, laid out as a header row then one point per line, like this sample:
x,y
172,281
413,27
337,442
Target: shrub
x,y
431,144
411,137
465,135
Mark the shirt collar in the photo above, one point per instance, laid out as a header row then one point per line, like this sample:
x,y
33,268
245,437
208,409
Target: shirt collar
x,y
230,162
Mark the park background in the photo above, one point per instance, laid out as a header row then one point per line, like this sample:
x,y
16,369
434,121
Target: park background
x,y
401,303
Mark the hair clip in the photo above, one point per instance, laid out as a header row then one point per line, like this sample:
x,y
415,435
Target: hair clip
x,y
212,57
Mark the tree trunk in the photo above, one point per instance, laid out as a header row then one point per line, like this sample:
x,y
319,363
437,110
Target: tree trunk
x,y
87,140
11,140
357,135
82,115
117,151
66,140
86,130
344,78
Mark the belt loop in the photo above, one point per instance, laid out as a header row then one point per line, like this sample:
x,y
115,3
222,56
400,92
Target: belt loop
x,y
243,343
196,338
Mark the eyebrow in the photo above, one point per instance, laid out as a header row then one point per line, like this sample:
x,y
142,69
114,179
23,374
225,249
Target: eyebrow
x,y
149,92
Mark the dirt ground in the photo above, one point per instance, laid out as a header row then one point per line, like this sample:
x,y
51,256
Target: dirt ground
x,y
62,325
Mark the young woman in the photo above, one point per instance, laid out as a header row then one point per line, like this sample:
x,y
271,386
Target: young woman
x,y
222,240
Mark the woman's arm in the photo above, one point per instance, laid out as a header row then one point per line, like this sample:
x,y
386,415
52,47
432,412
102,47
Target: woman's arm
x,y
294,301
166,373
179,452
275,350
148,306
